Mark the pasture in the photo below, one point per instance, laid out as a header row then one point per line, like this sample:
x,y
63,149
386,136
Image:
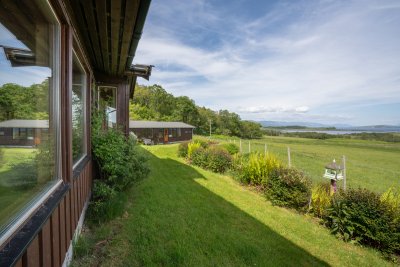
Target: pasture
x,y
374,165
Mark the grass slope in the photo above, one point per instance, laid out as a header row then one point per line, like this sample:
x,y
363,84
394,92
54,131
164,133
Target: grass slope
x,y
370,164
185,216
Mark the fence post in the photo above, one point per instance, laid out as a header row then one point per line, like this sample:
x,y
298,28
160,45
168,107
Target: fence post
x,y
249,147
265,149
344,172
288,154
240,145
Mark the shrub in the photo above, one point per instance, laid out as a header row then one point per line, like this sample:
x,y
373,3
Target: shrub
x,y
231,148
200,157
120,164
204,143
288,187
320,199
119,161
219,160
255,168
192,146
359,214
183,149
392,199
213,158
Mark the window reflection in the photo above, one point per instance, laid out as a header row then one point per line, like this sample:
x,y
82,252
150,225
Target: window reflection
x,y
29,55
78,110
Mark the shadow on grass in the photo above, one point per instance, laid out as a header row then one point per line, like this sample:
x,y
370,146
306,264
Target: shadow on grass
x,y
174,221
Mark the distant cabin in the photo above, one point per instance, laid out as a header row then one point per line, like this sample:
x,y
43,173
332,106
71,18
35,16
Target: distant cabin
x,y
23,132
161,132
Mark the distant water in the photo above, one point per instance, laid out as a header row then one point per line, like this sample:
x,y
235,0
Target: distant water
x,y
338,132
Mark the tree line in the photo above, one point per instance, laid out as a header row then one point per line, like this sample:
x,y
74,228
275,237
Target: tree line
x,y
154,103
21,102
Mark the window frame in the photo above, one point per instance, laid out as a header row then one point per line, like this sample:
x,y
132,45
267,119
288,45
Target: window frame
x,y
84,108
20,218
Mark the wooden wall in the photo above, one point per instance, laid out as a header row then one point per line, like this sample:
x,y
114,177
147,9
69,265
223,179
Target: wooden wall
x,y
50,246
158,135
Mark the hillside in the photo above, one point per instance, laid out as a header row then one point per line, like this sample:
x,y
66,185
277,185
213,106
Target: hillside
x,y
154,103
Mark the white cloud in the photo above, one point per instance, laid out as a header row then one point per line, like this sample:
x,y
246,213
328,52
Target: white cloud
x,y
333,53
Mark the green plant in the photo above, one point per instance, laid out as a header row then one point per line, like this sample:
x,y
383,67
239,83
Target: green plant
x,y
183,149
339,221
120,164
255,168
320,199
192,146
231,148
371,221
392,198
213,158
200,157
218,160
288,187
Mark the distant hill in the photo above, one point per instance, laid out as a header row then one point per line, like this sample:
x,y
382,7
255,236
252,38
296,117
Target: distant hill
x,y
297,124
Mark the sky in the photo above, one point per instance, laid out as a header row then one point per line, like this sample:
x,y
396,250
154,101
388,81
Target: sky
x,y
331,62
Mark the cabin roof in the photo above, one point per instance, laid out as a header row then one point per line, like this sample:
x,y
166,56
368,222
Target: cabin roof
x,y
158,124
110,31
36,124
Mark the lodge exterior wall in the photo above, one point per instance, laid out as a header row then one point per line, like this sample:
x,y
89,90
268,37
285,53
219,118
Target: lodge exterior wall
x,y
158,134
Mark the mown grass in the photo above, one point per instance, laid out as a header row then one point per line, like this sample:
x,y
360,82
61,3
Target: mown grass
x,y
14,166
371,164
185,216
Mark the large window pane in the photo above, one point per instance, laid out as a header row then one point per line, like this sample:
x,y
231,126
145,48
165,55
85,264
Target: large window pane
x,y
78,110
29,93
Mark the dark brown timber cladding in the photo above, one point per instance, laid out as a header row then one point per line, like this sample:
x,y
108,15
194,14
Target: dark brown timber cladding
x,y
49,246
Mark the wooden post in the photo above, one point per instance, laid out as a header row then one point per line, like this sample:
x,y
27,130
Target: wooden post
x,y
240,145
344,172
249,147
288,154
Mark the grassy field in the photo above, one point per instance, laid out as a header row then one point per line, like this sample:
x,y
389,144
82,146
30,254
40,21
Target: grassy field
x,y
370,164
14,168
185,216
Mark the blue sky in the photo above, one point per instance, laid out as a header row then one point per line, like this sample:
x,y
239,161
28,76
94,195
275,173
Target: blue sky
x,y
321,61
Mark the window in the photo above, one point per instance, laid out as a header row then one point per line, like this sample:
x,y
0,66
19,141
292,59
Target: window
x,y
19,133
107,102
29,95
179,132
78,110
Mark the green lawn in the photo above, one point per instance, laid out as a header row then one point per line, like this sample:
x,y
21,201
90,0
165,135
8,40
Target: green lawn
x,y
185,216
371,164
17,185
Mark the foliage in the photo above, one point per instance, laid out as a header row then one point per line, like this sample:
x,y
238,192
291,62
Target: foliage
x,y
19,102
392,198
204,142
255,168
231,148
192,147
154,103
120,164
213,158
360,215
183,149
288,187
320,199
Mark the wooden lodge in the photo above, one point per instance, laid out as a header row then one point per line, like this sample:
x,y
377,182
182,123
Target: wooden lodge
x,y
161,132
23,132
82,54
